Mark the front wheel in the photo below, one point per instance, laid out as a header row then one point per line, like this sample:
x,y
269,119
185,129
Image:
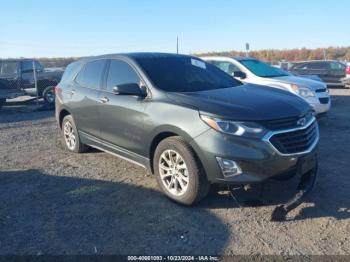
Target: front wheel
x,y
178,171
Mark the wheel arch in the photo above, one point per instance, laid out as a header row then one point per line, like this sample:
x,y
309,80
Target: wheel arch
x,y
63,114
165,132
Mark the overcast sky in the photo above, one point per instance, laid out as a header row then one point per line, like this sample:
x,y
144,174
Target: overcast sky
x,y
80,28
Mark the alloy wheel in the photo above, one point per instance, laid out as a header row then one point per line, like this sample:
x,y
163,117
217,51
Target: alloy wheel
x,y
69,135
173,172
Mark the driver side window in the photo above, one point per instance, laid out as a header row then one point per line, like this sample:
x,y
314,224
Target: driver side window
x,y
121,73
27,66
227,67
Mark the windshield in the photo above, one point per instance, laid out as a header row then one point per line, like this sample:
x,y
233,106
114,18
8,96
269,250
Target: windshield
x,y
184,74
262,69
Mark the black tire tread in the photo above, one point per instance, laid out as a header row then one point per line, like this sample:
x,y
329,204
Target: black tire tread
x,y
203,186
80,147
44,94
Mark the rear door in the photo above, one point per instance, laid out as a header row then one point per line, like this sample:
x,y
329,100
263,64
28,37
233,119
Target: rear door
x,y
121,116
9,75
27,77
337,72
319,68
84,97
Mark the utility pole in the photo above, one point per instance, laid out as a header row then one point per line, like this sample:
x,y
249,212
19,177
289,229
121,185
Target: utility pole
x,y
177,44
35,82
247,49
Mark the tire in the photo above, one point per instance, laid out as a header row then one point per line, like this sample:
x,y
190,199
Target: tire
x,y
2,102
69,133
188,168
49,96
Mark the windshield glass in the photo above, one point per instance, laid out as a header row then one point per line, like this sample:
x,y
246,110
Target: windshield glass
x,y
184,74
262,69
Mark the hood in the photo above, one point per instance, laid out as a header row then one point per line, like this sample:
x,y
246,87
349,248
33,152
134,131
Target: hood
x,y
246,102
301,81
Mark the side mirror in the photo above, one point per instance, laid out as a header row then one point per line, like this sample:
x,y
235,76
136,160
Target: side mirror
x,y
239,74
131,89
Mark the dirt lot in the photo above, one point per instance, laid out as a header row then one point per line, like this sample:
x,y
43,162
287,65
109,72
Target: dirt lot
x,y
53,202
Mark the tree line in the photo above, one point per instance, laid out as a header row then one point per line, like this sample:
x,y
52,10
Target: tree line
x,y
275,55
269,55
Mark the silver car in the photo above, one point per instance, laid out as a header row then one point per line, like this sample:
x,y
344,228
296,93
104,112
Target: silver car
x,y
251,70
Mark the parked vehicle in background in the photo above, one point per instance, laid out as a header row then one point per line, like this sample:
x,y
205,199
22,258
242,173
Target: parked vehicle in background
x,y
251,70
347,70
331,72
186,121
284,65
312,77
17,78
346,82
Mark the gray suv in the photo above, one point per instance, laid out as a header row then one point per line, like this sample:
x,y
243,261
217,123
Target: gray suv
x,y
187,121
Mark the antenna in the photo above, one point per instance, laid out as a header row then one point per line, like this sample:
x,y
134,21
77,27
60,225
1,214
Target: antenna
x,y
177,44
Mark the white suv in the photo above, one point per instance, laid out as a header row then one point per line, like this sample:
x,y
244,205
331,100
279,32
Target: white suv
x,y
251,70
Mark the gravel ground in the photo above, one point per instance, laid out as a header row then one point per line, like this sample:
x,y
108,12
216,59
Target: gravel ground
x,y
54,202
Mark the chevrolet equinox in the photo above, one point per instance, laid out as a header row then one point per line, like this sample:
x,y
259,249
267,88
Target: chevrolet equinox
x,y
187,121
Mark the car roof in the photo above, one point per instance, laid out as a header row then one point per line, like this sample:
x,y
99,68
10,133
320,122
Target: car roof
x,y
134,56
314,61
240,58
16,59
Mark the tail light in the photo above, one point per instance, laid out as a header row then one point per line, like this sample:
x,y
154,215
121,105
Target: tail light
x,y
56,89
347,70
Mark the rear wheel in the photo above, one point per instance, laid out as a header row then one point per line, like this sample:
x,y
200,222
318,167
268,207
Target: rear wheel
x,y
179,172
49,95
70,136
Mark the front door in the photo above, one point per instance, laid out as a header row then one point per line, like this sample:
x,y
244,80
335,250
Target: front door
x,y
122,116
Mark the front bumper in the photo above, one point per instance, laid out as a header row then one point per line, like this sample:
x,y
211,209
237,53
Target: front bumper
x,y
305,186
257,159
321,103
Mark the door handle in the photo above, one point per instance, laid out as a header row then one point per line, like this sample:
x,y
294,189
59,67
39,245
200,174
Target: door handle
x,y
72,92
104,99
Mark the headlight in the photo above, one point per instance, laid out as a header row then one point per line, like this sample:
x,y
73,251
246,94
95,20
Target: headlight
x,y
245,129
302,91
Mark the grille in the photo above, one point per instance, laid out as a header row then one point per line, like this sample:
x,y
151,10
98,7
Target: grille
x,y
297,141
324,100
323,90
285,123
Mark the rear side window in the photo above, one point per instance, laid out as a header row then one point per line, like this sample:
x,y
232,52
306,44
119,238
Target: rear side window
x,y
70,72
319,65
337,66
90,76
299,66
121,73
27,66
8,68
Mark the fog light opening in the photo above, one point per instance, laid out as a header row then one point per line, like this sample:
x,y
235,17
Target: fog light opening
x,y
229,168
